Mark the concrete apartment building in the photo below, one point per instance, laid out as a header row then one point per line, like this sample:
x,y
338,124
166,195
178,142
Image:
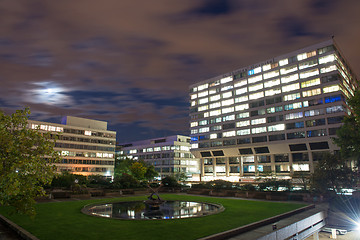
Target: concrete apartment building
x,y
85,145
169,155
273,118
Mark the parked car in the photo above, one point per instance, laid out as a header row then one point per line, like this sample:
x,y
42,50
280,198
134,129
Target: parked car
x,y
338,230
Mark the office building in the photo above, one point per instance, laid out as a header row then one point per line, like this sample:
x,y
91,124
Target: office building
x,y
170,155
85,145
272,118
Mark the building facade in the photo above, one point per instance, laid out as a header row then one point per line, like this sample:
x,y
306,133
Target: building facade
x,y
273,118
170,155
86,146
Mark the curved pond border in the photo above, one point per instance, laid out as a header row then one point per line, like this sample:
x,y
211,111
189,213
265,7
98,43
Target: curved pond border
x,y
84,210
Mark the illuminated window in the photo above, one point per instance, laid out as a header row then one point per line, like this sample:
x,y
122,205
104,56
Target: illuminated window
x,y
258,121
202,87
215,113
227,94
315,112
215,98
226,79
227,87
216,127
203,100
87,133
227,102
243,132
273,91
291,97
331,99
193,96
289,69
335,109
240,83
258,130
283,62
255,79
309,83
227,110
229,134
241,91
203,108
311,92
293,106
328,69
301,167
213,135
203,94
316,133
274,109
290,87
203,122
241,107
194,89
326,59
243,115
290,78
228,118
277,127
308,64
204,129
310,73
193,103
243,123
242,99
271,74
256,95
269,66
271,83
213,91
256,87
194,131
306,55
254,71
215,105
194,124
293,116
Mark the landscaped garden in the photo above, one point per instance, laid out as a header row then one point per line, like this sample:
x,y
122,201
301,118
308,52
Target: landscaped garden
x,y
64,220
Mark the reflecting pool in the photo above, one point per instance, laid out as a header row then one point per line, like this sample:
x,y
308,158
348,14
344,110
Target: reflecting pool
x,y
141,210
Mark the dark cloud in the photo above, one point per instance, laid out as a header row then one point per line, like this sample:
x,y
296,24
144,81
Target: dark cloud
x,y
132,66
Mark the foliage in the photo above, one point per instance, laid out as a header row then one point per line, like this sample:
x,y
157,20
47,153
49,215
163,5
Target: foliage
x,y
348,136
273,184
140,170
150,172
98,181
247,187
169,181
221,184
68,180
332,172
126,181
122,165
200,186
23,167
180,176
304,178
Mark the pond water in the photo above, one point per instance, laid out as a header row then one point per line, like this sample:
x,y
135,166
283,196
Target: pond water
x,y
141,210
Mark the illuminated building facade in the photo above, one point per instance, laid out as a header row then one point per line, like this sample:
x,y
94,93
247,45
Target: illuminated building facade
x,y
169,155
273,118
85,145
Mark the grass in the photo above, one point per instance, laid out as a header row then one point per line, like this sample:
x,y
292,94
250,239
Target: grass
x,y
63,220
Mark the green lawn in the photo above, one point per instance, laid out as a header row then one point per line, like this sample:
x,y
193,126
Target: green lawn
x,y
63,220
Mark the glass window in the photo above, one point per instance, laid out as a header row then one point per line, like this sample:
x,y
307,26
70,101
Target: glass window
x,y
274,109
335,109
203,108
293,116
256,87
240,83
193,96
326,59
308,64
242,99
295,135
227,87
316,133
215,113
227,94
193,124
227,102
294,125
243,132
258,121
255,79
315,122
291,97
277,127
328,69
243,115
311,92
273,91
226,79
289,69
215,105
204,129
215,97
271,74
271,83
289,78
203,94
228,134
202,87
309,83
243,123
258,130
241,91
256,95
227,110
310,73
283,62
292,106
228,118
301,167
290,87
314,112
241,107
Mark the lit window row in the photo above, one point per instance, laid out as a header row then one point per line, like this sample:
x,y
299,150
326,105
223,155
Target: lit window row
x,y
48,128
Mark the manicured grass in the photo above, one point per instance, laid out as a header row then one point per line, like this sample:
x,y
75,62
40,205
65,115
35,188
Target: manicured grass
x,y
64,220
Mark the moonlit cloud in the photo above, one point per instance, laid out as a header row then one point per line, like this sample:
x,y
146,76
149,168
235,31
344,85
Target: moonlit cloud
x,y
131,62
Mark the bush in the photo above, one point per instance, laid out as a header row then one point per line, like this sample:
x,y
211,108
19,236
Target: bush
x,y
273,185
221,184
67,180
125,181
98,181
169,181
247,187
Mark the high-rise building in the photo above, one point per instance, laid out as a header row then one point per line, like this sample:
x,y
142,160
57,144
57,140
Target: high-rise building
x,y
272,118
170,155
86,146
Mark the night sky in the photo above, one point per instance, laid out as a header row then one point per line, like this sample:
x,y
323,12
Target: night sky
x,y
131,62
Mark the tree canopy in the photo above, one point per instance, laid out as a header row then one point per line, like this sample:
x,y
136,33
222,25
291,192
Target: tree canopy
x,y
23,165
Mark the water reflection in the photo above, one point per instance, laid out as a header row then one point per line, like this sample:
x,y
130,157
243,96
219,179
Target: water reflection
x,y
166,210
